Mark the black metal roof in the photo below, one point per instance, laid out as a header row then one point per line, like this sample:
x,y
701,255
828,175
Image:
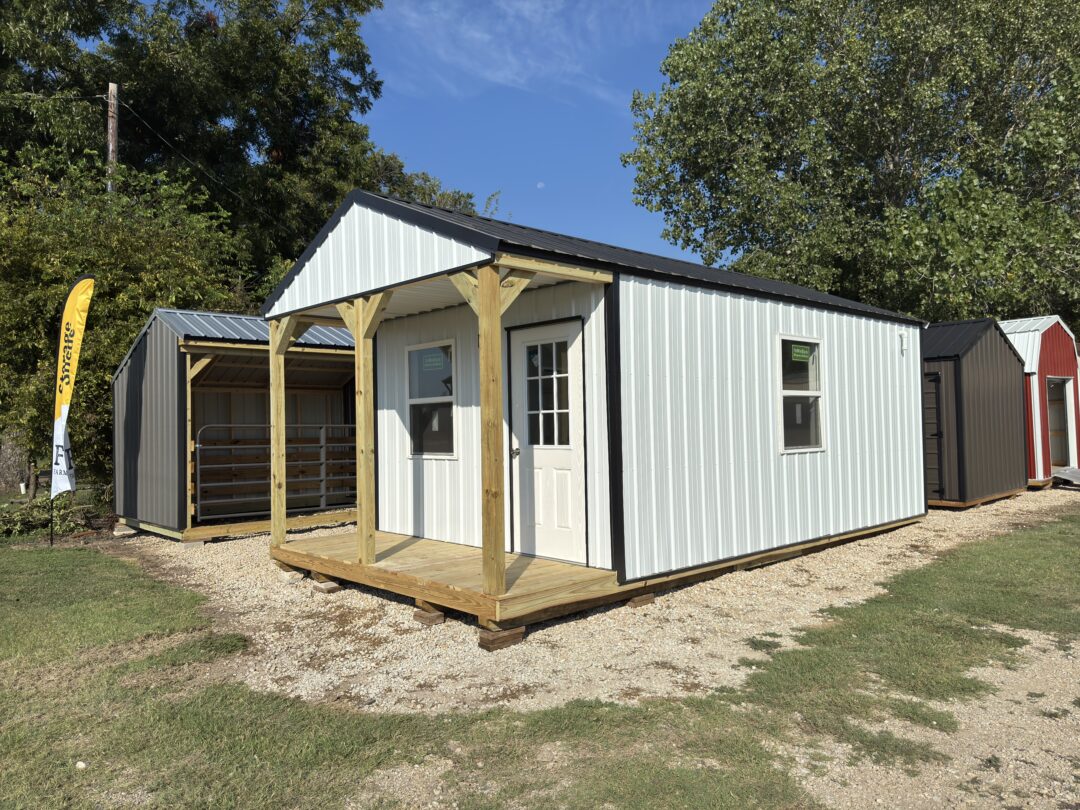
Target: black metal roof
x,y
495,235
952,339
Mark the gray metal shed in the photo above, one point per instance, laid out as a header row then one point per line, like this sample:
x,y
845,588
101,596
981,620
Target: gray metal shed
x,y
190,426
973,410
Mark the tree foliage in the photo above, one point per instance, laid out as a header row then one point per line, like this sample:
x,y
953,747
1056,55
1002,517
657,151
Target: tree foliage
x,y
915,155
240,132
259,100
153,242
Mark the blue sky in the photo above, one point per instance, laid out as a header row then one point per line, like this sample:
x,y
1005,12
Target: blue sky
x,y
530,98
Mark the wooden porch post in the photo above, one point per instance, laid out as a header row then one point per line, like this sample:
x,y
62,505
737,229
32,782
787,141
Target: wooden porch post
x,y
279,343
363,316
489,310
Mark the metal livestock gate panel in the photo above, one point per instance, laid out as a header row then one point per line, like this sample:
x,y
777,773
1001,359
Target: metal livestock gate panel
x,y
703,476
149,431
440,498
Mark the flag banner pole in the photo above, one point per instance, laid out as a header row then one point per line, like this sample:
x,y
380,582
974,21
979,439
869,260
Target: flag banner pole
x,y
72,327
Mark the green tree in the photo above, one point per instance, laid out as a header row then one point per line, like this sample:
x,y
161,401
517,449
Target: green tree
x,y
259,100
154,241
911,154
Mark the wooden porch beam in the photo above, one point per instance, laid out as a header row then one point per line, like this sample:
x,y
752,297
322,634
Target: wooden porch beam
x,y
567,272
467,285
489,309
199,366
513,285
374,311
289,329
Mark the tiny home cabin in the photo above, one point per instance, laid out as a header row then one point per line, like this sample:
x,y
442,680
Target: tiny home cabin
x,y
973,412
546,422
191,427
1048,347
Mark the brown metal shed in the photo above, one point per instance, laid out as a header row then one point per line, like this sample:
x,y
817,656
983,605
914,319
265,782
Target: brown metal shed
x,y
973,413
191,444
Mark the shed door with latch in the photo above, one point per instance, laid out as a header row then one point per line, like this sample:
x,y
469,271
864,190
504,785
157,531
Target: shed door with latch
x,y
932,435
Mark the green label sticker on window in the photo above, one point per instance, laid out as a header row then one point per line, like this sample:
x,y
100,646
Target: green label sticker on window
x,y
800,353
433,361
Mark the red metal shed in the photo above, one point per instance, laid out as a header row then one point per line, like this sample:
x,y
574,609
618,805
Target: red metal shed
x,y
1053,400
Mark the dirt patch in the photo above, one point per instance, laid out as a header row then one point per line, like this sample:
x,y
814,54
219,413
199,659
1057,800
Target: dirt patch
x,y
363,649
1016,747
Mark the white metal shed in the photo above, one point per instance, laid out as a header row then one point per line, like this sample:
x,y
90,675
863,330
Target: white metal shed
x,y
633,416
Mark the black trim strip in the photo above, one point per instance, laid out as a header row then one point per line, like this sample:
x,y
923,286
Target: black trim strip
x,y
614,426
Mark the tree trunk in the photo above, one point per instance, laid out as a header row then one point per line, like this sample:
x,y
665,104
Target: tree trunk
x,y
31,484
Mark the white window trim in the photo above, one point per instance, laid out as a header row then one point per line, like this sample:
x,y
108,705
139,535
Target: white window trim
x,y
452,399
783,393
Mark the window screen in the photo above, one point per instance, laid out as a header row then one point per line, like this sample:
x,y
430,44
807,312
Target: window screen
x,y
431,399
800,371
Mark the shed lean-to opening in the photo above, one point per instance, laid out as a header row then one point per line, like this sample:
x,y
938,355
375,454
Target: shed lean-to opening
x,y
561,423
192,449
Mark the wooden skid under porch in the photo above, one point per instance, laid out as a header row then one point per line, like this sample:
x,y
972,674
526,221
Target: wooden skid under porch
x,y
451,575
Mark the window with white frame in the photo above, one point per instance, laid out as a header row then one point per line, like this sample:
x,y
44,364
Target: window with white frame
x,y
431,399
800,383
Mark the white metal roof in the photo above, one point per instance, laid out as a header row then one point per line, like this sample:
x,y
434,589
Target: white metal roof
x,y
1026,337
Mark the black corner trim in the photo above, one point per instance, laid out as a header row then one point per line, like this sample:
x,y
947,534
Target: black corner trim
x,y
614,417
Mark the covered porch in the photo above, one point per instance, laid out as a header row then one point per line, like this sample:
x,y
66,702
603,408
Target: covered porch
x,y
503,590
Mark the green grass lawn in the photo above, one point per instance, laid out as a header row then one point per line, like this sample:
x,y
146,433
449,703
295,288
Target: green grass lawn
x,y
101,664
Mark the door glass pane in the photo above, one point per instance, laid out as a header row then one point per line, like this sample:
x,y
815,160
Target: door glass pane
x,y
560,357
547,396
564,428
547,359
799,364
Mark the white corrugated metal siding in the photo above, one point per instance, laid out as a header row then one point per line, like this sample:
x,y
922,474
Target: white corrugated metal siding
x,y
368,250
704,478
439,498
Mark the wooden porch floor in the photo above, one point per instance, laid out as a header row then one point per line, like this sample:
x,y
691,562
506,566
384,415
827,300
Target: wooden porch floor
x,y
450,575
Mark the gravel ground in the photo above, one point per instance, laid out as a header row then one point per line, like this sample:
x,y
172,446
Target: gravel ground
x,y
363,647
1016,747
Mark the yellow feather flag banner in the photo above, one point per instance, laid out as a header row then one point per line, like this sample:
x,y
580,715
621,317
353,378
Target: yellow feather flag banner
x,y
71,334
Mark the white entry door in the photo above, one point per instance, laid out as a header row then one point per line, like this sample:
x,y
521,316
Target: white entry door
x,y
547,448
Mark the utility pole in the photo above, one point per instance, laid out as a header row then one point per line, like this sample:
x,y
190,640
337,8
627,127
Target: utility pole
x,y
112,134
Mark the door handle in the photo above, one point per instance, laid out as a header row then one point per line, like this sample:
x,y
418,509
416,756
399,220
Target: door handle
x,y
515,452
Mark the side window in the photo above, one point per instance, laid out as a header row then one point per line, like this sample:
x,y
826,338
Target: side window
x,y
800,392
431,399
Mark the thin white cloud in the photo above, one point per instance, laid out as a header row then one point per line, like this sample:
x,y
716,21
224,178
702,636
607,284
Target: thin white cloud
x,y
555,47
540,185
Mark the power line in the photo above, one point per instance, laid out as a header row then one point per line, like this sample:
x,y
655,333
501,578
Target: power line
x,y
186,159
